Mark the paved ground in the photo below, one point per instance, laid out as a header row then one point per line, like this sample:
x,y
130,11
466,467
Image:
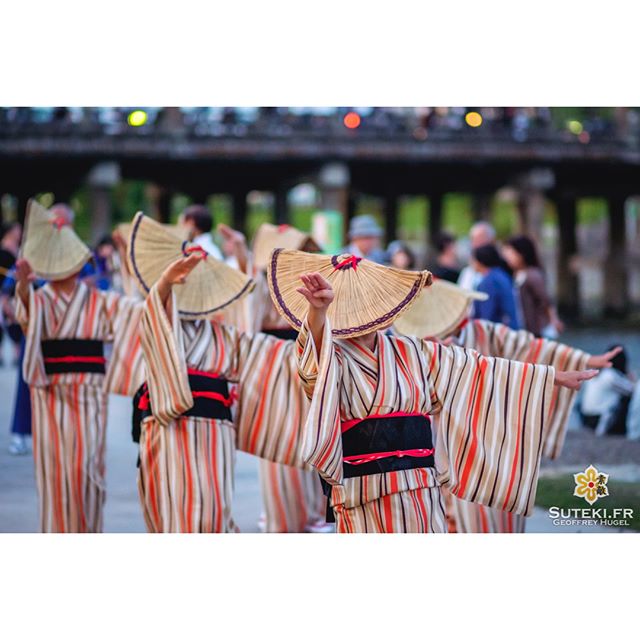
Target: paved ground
x,y
18,509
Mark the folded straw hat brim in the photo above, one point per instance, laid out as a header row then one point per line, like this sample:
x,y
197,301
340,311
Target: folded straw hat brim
x,y
269,237
212,285
438,311
53,249
367,296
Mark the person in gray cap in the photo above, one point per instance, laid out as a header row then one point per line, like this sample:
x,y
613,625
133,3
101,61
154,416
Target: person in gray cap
x,y
364,239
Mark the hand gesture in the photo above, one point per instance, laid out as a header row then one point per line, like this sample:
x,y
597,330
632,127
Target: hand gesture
x,y
233,240
177,272
316,290
24,272
574,379
603,361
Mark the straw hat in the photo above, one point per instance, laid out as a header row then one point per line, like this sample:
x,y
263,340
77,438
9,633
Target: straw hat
x,y
209,288
368,296
124,229
438,311
51,246
270,237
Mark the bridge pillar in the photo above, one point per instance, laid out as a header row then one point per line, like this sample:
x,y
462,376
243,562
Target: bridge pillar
x,y
240,210
281,205
531,213
333,185
160,200
435,217
391,201
101,179
616,281
568,285
481,206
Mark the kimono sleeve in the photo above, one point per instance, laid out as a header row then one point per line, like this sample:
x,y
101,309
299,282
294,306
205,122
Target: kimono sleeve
x,y
498,340
125,372
320,378
491,416
165,362
30,320
272,406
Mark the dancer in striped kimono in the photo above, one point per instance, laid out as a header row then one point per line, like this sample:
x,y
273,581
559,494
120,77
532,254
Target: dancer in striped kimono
x,y
292,497
442,312
374,396
191,421
66,365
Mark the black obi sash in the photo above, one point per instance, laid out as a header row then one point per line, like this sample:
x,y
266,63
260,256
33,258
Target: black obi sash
x,y
380,444
383,443
283,334
73,356
211,399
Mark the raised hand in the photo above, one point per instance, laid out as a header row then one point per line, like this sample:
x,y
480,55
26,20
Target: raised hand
x,y
574,379
316,290
177,272
603,361
232,239
24,272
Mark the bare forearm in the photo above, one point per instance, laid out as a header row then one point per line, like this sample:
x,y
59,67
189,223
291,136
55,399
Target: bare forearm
x,y
22,292
164,290
316,319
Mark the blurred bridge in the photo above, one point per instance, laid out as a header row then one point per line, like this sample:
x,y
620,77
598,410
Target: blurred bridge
x,y
387,153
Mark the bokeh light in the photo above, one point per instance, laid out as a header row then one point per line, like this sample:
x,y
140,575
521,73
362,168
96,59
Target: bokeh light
x,y
584,137
351,120
137,118
575,126
473,119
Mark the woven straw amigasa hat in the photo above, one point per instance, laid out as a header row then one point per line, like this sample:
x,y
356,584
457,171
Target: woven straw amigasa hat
x,y
124,229
210,287
51,246
271,236
438,311
368,296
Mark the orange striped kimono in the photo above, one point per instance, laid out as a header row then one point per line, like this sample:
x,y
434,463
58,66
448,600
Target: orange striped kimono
x,y
490,417
70,409
186,463
498,340
292,496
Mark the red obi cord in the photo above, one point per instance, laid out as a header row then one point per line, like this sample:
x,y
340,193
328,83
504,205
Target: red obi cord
x,y
348,424
282,228
372,457
196,248
90,359
143,403
58,222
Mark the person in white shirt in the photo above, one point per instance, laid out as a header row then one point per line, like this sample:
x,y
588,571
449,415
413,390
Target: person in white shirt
x,y
605,399
198,221
481,234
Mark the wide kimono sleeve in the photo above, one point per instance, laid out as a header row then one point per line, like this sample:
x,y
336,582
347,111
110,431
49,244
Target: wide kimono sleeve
x,y
494,339
490,417
320,379
125,372
272,405
30,319
164,356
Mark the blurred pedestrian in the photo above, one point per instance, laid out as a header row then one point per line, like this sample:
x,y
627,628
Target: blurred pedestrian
x,y
481,234
365,236
400,256
500,306
605,399
10,236
536,307
446,264
198,222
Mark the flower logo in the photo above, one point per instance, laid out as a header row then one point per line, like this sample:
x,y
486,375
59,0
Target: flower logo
x,y
591,484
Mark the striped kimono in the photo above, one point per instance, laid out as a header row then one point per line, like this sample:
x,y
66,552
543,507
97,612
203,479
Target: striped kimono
x,y
475,401
186,468
70,409
292,496
498,340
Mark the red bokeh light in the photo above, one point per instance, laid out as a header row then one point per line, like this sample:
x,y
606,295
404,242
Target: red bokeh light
x,y
351,120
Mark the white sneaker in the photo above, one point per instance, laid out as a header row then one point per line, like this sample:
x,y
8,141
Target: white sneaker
x,y
18,446
262,523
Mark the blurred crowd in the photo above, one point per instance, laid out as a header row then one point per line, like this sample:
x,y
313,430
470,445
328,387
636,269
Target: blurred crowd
x,y
510,273
419,123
